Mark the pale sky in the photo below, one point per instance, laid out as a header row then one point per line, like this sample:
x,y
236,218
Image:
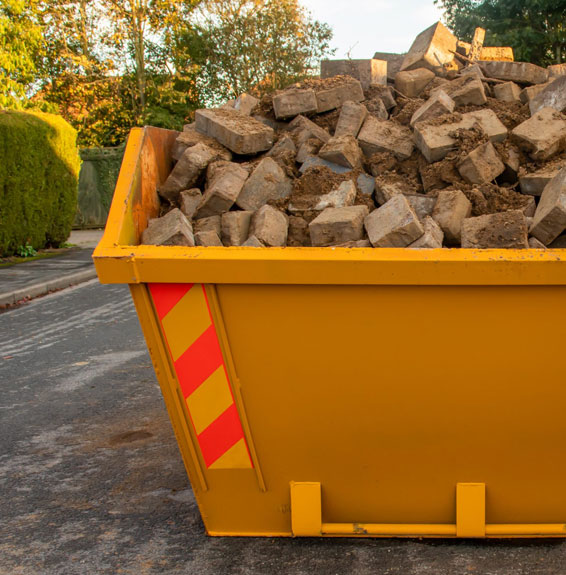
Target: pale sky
x,y
369,26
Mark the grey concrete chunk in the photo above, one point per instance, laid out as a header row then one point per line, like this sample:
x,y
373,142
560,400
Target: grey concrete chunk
x,y
293,102
224,186
173,229
332,98
393,225
188,171
437,105
189,137
385,136
386,94
306,129
433,48
235,227
553,96
411,83
534,183
432,238
531,92
270,227
389,185
394,63
209,224
344,151
465,91
507,92
451,209
550,217
344,195
284,144
505,230
482,165
236,131
366,184
308,149
336,226
267,182
519,72
252,242
245,103
208,239
298,232
314,162
368,72
543,135
435,142
189,201
534,244
352,117
423,205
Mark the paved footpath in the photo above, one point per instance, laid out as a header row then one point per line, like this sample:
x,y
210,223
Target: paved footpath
x,y
91,480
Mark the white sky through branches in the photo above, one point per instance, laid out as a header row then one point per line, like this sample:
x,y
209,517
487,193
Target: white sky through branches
x,y
369,26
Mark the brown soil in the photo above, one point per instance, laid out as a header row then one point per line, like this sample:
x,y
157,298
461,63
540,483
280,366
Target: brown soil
x,y
328,120
319,85
406,109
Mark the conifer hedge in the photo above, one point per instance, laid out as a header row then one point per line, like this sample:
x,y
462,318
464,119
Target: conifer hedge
x,y
39,173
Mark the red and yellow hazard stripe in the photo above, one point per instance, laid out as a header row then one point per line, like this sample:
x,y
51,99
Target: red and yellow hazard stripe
x,y
184,313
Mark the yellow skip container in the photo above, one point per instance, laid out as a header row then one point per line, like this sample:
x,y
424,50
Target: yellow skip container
x,y
351,392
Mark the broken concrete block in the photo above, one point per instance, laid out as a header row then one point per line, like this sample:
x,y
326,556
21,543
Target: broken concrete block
x,y
308,149
534,244
433,48
437,105
543,135
377,108
508,92
267,182
385,136
432,238
557,70
473,70
188,171
358,244
368,72
435,142
207,239
210,224
173,229
352,117
189,201
284,144
252,242
531,92
189,137
533,184
553,96
225,184
344,151
238,132
336,226
389,185
451,209
550,217
298,232
393,225
482,165
245,103
344,195
270,226
423,205
315,162
394,63
235,227
366,184
504,230
293,102
386,95
306,129
344,91
519,72
465,91
412,82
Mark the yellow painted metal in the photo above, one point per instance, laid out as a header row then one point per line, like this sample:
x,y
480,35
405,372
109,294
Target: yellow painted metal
x,y
386,376
470,510
306,512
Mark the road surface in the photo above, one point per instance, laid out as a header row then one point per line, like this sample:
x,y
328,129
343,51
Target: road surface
x,y
91,480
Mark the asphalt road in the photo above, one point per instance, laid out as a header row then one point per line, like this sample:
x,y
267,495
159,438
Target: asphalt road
x,y
91,480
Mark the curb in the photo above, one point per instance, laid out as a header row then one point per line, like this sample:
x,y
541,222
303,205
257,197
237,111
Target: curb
x,y
43,288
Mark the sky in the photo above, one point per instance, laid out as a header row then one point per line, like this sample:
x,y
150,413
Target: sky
x,y
364,27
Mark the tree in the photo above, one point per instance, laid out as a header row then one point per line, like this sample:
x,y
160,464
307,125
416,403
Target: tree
x,y
20,47
246,45
536,29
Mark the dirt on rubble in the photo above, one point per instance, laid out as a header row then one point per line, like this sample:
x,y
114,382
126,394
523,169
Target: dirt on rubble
x,y
491,199
510,114
319,85
406,110
328,121
265,108
383,162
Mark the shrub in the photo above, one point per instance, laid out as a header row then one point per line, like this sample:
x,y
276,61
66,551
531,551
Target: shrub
x,y
39,171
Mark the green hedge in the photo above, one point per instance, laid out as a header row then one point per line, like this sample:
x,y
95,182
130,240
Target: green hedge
x,y
39,171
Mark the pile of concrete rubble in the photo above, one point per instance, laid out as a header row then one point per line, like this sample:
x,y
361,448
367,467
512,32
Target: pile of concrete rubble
x,y
442,147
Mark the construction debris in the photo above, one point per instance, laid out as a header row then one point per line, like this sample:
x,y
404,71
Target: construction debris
x,y
449,145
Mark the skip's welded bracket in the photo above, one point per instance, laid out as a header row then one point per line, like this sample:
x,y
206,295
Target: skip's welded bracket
x,y
470,510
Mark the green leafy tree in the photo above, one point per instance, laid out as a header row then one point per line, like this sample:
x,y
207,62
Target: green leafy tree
x,y
247,45
536,29
20,47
